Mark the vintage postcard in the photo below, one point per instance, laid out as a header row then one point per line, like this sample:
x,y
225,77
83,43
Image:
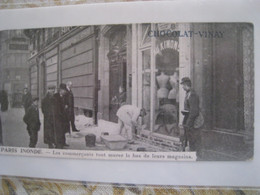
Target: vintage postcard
x,y
158,91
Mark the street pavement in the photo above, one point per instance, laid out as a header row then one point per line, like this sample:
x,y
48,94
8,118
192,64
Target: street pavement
x,y
15,133
14,129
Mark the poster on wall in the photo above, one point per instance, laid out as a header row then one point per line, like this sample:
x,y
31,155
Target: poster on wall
x,y
153,91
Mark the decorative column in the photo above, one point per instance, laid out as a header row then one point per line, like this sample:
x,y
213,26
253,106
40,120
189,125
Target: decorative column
x,y
184,64
103,74
135,64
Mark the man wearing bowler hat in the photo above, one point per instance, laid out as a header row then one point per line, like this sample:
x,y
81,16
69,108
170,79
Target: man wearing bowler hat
x,y
190,112
60,117
47,111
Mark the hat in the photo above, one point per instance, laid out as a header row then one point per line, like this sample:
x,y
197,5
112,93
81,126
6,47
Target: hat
x,y
35,99
185,80
63,86
51,86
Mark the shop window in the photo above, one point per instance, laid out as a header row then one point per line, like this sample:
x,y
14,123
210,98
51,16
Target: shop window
x,y
167,92
146,40
160,82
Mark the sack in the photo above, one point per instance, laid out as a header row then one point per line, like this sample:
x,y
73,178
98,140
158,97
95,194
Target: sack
x,y
199,121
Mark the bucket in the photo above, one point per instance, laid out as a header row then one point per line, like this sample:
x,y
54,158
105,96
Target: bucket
x,y
90,140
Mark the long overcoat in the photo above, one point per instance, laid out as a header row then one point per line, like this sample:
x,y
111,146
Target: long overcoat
x,y
31,118
191,104
47,110
70,102
4,100
60,119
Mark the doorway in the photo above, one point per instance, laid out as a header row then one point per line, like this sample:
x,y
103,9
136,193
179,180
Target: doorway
x,y
117,71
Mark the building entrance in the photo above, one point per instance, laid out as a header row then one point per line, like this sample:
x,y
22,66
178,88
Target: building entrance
x,y
117,71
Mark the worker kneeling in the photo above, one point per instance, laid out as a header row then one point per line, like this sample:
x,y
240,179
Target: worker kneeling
x,y
128,120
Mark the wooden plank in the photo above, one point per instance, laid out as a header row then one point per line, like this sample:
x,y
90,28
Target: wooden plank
x,y
77,49
33,78
83,92
51,52
34,92
34,83
85,80
51,83
51,76
83,58
76,38
84,103
52,60
34,68
77,71
52,68
34,87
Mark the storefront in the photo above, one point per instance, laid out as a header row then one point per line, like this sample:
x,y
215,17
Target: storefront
x,y
115,70
156,74
220,70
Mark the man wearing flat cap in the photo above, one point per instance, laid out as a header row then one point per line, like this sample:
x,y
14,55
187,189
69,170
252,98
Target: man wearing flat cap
x,y
60,117
190,112
31,118
47,111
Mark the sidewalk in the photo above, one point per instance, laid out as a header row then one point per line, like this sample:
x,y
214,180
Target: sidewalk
x,y
76,140
16,135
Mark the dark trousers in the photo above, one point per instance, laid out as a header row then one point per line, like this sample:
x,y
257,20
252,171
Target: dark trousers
x,y
72,121
49,131
1,135
59,133
193,136
33,138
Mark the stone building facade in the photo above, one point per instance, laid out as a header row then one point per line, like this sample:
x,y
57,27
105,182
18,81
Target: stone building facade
x,y
14,52
145,62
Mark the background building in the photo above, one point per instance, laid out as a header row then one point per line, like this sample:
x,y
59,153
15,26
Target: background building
x,y
14,52
59,55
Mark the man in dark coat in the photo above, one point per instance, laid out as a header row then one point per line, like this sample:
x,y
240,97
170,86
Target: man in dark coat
x,y
60,117
31,118
4,100
47,111
26,99
70,110
190,112
4,107
1,135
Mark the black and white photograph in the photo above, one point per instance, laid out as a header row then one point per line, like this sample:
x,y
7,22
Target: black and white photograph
x,y
154,91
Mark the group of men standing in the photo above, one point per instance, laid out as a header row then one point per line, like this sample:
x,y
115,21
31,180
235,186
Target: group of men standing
x,y
58,112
